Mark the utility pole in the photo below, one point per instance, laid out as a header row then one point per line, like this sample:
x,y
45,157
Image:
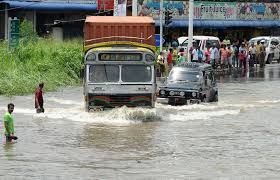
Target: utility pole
x,y
6,23
190,33
116,13
160,22
134,8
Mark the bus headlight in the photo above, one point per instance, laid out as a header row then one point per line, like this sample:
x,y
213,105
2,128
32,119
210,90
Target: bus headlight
x,y
194,94
182,93
171,93
162,92
149,58
91,57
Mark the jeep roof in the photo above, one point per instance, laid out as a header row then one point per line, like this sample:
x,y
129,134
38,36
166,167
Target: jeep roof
x,y
194,66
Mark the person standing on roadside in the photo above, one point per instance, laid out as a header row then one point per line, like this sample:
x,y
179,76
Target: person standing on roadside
x,y
258,52
160,61
174,55
39,101
195,54
170,59
252,51
9,124
262,54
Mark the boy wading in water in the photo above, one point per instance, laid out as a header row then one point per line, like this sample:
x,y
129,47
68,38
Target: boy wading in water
x,y
39,101
9,124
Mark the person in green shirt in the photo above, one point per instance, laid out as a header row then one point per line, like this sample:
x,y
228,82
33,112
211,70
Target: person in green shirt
x,y
9,124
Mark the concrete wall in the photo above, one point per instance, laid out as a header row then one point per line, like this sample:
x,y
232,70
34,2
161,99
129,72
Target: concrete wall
x,y
57,33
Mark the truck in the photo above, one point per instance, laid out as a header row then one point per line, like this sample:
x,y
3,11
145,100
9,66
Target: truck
x,y
119,56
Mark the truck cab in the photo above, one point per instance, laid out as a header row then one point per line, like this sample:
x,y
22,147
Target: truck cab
x,y
119,62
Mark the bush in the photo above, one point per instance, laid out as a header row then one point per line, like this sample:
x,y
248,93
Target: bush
x,y
55,63
26,32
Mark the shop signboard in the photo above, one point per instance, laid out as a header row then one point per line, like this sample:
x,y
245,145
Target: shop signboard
x,y
14,26
180,9
105,5
258,11
214,10
151,8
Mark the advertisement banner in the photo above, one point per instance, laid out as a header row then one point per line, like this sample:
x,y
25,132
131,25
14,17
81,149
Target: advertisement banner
x,y
214,10
180,9
105,5
151,8
258,11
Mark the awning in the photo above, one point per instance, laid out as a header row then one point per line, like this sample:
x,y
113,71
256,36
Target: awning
x,y
224,23
50,6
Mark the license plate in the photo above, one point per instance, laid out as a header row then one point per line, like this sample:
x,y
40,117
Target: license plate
x,y
96,109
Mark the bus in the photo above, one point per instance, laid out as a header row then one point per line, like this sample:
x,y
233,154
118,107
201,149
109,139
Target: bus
x,y
119,76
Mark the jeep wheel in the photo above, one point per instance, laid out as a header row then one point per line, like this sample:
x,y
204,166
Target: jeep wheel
x,y
203,99
216,99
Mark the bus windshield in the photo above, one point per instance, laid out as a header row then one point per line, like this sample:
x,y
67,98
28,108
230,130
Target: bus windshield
x,y
136,73
104,73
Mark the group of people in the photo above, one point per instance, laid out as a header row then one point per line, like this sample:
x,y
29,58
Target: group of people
x,y
165,63
219,56
9,119
234,56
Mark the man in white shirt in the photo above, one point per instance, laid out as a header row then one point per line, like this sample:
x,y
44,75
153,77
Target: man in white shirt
x,y
214,56
195,54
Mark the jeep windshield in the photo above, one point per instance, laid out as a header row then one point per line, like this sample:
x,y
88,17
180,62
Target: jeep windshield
x,y
184,76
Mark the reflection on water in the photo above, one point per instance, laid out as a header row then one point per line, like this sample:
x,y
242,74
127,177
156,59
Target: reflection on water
x,y
136,137
9,148
270,72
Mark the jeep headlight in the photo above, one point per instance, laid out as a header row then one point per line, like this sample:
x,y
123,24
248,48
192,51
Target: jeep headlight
x,y
162,92
182,93
194,94
171,93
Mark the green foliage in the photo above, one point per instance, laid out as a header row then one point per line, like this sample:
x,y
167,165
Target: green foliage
x,y
27,32
55,63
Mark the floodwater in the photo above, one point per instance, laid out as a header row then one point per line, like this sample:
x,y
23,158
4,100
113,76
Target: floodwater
x,y
236,138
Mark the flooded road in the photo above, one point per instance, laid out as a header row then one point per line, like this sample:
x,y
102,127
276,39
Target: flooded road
x,y
236,138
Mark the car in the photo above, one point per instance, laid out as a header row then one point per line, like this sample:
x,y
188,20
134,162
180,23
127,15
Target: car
x,y
271,44
201,41
189,83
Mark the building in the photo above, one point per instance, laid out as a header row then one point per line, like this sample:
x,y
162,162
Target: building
x,y
225,19
48,13
234,20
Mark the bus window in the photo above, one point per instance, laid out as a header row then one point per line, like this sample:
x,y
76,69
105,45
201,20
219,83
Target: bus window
x,y
103,73
136,73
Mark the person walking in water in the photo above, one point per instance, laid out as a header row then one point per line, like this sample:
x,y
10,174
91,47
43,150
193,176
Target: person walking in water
x,y
39,101
9,124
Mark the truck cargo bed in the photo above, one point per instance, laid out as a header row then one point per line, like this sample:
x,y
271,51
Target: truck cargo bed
x,y
100,29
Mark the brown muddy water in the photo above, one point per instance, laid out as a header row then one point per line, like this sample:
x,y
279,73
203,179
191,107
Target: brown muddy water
x,y
236,138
